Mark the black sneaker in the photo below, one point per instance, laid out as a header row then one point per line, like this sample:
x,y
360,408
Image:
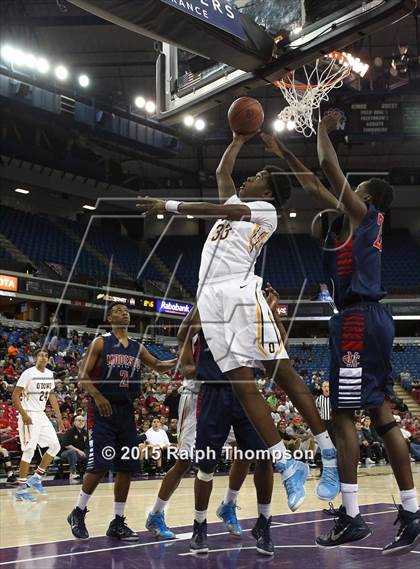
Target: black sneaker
x,y
11,479
76,519
331,511
119,529
261,532
198,543
408,535
346,530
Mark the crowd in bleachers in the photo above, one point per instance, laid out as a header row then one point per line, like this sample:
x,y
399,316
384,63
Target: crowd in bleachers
x,y
292,257
156,408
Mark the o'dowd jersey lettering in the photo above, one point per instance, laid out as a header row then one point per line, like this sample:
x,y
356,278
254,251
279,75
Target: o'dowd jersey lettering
x,y
37,386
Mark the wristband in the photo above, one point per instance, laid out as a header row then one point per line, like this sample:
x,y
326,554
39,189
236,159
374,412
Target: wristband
x,y
172,206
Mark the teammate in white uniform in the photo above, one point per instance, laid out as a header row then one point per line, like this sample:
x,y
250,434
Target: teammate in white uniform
x,y
237,322
33,389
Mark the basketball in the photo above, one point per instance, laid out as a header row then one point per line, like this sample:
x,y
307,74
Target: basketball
x,y
245,115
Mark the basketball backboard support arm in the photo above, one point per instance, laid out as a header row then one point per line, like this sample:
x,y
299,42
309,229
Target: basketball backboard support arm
x,y
226,82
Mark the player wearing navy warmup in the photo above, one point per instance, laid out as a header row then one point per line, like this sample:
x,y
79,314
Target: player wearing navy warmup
x,y
110,372
361,337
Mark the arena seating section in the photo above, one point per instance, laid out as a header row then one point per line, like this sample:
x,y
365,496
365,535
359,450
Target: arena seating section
x,y
289,259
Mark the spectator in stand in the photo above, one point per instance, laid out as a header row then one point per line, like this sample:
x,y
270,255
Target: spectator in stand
x,y
364,447
74,443
51,417
67,405
297,431
172,401
289,442
173,432
66,421
156,441
274,414
272,400
374,441
415,445
163,423
159,394
12,351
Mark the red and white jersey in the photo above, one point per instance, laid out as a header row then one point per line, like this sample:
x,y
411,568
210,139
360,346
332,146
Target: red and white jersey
x,y
232,247
36,388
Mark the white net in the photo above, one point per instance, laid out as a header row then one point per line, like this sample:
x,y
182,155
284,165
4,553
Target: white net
x,y
304,96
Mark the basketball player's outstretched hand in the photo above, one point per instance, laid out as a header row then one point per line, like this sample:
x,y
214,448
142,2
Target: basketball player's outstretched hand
x,y
151,206
242,138
271,295
274,145
103,405
330,121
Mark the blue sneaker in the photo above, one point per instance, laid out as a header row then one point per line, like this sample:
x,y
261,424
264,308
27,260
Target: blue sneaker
x,y
36,483
329,485
22,494
227,513
294,476
157,525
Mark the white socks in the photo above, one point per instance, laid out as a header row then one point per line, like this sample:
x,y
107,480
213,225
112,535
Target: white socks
x,y
409,500
119,508
83,500
265,510
325,443
278,452
159,506
350,498
200,516
230,496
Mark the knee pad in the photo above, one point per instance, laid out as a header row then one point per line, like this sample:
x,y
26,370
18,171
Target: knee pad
x,y
383,429
205,476
54,449
28,454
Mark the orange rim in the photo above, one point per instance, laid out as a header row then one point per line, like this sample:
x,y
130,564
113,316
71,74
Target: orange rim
x,y
337,55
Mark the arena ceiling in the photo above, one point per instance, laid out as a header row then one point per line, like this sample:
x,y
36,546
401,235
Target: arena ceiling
x,y
121,66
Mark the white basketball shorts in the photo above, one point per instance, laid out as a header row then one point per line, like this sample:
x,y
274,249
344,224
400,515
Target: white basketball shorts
x,y
187,421
238,324
41,432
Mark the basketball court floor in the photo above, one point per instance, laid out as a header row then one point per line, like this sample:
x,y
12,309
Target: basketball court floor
x,y
36,535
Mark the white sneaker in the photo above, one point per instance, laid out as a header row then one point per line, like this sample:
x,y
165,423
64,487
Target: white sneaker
x,y
74,476
369,462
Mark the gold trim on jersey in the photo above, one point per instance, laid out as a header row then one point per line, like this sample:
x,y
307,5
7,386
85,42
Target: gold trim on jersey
x,y
277,331
256,238
260,326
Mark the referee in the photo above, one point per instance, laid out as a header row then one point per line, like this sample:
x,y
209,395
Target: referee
x,y
323,405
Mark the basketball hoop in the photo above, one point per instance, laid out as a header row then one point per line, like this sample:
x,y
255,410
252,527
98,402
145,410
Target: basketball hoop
x,y
304,97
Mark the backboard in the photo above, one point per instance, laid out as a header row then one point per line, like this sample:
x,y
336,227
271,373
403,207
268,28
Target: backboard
x,y
303,30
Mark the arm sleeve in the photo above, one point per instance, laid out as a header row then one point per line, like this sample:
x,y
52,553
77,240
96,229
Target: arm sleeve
x,y
264,214
24,379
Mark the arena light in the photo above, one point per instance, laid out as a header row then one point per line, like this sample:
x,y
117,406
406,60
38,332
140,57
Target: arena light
x,y
150,107
30,61
61,72
18,58
189,121
89,207
140,102
22,191
292,214
160,216
42,65
291,125
7,53
200,124
190,217
279,125
83,80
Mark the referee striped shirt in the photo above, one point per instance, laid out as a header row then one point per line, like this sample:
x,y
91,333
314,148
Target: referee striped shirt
x,y
323,405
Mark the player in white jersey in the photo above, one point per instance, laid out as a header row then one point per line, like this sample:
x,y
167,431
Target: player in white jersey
x,y
237,322
33,389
